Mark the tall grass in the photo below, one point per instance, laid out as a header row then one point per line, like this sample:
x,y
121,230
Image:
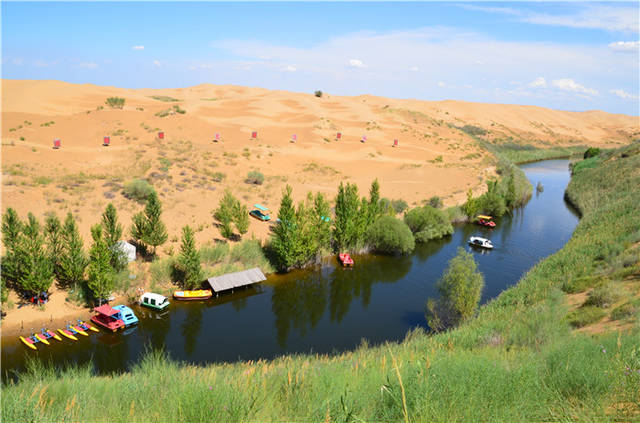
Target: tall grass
x,y
517,361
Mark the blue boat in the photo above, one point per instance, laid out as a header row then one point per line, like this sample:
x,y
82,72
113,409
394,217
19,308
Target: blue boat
x,y
126,315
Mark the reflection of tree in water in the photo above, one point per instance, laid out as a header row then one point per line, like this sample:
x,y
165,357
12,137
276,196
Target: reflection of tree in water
x,y
191,327
427,249
298,302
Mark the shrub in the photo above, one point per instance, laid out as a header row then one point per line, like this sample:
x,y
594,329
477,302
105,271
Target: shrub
x,y
255,177
115,102
138,190
575,285
473,130
591,152
435,202
390,235
584,316
428,223
318,93
399,205
604,295
626,310
214,254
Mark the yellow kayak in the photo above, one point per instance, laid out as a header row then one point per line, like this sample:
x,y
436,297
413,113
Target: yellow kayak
x,y
79,330
68,334
41,339
199,294
28,342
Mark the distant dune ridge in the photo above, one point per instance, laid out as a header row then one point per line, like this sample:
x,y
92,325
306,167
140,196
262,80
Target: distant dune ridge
x,y
190,171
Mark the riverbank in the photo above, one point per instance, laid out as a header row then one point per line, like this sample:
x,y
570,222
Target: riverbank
x,y
518,360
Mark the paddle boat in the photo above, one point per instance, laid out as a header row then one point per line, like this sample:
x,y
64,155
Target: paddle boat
x,y
345,259
75,330
85,327
260,212
126,315
47,334
68,334
151,300
107,318
476,241
199,294
30,341
486,221
41,338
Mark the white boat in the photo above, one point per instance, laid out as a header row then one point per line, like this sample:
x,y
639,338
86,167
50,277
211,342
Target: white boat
x,y
151,300
476,241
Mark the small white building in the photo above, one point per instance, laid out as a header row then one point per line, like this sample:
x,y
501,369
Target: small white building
x,y
128,249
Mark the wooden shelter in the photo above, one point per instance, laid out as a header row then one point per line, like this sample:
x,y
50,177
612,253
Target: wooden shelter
x,y
236,280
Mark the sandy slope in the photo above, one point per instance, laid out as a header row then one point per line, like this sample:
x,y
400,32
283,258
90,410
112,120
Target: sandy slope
x,y
82,174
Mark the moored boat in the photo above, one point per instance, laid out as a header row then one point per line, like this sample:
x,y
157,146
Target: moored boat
x,y
345,259
485,221
41,338
198,294
106,317
29,342
476,241
152,300
50,334
85,327
67,334
75,330
126,315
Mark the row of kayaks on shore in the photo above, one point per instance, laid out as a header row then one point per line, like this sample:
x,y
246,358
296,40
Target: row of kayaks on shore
x,y
46,335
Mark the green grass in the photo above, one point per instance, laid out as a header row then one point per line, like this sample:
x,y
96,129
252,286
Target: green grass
x,y
164,98
517,361
584,316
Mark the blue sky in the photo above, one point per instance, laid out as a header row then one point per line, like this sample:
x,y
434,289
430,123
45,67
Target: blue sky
x,y
570,56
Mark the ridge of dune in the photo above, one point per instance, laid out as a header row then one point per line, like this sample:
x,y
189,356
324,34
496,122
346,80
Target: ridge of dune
x,y
191,172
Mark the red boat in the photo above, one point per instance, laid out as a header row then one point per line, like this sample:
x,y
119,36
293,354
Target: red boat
x,y
106,319
485,221
345,259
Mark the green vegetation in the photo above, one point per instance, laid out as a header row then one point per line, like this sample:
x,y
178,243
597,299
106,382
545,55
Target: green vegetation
x,y
115,102
604,295
589,163
317,93
101,277
584,316
626,310
164,98
147,228
74,259
113,233
390,236
138,190
187,268
591,152
53,234
170,111
428,223
399,205
436,202
255,177
229,211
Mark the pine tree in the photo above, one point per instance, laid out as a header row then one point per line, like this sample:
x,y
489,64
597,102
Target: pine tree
x,y
284,238
225,214
74,259
241,217
35,272
347,222
101,276
322,221
113,233
374,211
155,233
53,232
11,230
188,263
138,228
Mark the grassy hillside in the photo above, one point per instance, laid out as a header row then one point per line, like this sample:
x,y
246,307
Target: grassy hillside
x,y
519,360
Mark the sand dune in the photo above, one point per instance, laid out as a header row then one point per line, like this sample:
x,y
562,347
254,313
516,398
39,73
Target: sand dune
x,y
434,157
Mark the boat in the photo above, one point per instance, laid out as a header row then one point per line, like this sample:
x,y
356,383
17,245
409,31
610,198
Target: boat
x,y
85,327
260,212
67,334
126,315
41,338
199,294
76,330
476,241
151,300
106,317
50,334
29,342
345,259
486,221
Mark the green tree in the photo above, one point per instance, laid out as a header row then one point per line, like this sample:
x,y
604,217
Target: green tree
x,y
241,217
35,272
101,279
155,230
112,234
53,233
460,291
391,236
322,222
346,225
11,230
285,239
428,223
374,210
510,196
225,214
188,265
471,206
74,259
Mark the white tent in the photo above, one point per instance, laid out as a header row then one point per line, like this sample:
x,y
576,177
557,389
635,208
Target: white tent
x,y
128,249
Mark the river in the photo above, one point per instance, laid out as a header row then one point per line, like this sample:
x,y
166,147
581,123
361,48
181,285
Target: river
x,y
327,308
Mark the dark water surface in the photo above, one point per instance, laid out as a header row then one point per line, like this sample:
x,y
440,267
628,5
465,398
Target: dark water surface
x,y
328,308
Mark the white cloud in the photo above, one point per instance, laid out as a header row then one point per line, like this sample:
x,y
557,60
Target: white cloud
x,y
568,84
356,63
18,61
157,63
626,46
414,69
441,84
137,48
539,82
290,68
623,94
88,65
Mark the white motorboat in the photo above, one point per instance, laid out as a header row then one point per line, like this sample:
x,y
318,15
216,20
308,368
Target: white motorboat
x,y
476,241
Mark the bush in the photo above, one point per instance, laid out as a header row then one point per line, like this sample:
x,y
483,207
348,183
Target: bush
x,y
428,223
604,295
435,202
115,102
399,205
138,189
255,177
591,152
584,316
390,235
575,285
626,310
214,254
473,130
318,93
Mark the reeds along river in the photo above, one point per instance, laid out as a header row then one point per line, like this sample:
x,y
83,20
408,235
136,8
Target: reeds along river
x,y
327,308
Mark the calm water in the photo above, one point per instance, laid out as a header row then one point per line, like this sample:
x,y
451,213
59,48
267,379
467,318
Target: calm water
x,y
328,308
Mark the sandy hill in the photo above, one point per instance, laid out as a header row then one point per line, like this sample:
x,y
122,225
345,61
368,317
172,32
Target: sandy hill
x,y
190,171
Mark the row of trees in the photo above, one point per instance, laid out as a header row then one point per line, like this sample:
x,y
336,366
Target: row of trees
x,y
500,197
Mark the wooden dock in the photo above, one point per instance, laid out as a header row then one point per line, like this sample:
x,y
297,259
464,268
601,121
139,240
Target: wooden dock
x,y
236,280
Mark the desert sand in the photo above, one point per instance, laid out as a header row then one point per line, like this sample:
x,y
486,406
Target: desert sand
x,y
191,171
